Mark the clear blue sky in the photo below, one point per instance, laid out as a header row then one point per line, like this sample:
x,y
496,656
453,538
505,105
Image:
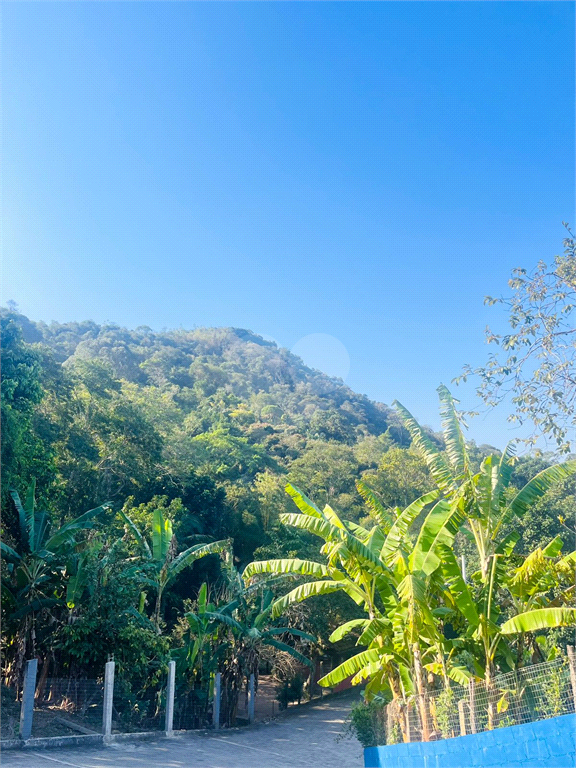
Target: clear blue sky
x,y
364,170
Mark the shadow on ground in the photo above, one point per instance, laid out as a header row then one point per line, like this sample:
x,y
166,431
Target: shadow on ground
x,y
311,736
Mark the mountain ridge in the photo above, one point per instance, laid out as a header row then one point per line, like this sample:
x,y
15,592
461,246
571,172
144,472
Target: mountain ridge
x,y
217,419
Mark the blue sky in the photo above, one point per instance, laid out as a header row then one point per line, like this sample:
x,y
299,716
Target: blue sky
x,y
366,171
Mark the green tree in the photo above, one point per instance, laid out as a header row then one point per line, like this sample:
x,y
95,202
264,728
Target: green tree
x,y
21,391
535,365
486,509
402,477
103,596
33,583
328,469
160,554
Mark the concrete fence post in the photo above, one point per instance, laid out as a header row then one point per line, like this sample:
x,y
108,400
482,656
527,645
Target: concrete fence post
x,y
108,700
251,699
170,691
472,695
462,716
27,706
216,704
572,665
408,723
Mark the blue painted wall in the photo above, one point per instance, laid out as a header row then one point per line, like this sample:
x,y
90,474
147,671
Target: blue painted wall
x,y
544,744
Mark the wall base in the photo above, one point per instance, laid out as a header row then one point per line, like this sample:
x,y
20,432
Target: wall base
x,y
544,744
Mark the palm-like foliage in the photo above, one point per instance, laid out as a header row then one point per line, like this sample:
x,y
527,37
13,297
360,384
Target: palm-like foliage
x,y
541,587
385,573
160,555
229,635
34,575
483,496
488,510
409,588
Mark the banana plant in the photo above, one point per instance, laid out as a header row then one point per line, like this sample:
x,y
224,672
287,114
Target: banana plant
x,y
478,605
483,497
406,587
34,577
385,573
541,588
161,557
487,509
527,584
229,636
202,646
250,627
78,569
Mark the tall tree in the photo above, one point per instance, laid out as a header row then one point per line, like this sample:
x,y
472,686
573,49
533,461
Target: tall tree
x,y
535,365
21,390
162,558
33,581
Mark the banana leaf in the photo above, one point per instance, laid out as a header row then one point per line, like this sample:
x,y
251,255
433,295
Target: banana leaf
x,y
303,592
288,565
350,667
304,504
541,618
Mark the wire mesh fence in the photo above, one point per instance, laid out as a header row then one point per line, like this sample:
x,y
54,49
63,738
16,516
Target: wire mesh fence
x,y
68,705
10,712
120,701
139,702
532,693
266,704
193,707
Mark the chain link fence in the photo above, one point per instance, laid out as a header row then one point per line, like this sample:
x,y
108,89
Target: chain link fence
x,y
532,693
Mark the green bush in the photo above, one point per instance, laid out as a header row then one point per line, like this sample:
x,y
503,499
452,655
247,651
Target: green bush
x,y
291,689
367,723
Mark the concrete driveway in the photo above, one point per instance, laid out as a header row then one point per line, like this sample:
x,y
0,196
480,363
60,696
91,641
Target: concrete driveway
x,y
302,738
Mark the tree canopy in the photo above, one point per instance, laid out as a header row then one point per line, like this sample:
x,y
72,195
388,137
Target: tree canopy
x,y
535,365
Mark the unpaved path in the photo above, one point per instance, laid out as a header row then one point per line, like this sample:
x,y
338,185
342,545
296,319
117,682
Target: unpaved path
x,y
305,738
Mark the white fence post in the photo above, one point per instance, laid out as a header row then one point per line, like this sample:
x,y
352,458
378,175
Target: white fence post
x,y
216,703
472,699
108,700
408,722
27,706
170,691
572,665
251,699
462,717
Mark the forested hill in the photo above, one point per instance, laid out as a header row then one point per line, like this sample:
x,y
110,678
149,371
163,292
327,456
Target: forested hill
x,y
215,419
208,425
234,363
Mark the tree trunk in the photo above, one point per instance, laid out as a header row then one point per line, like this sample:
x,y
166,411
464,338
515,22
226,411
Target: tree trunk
x,y
398,713
41,687
422,694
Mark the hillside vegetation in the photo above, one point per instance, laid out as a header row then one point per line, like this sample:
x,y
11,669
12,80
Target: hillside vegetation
x,y
216,417
180,445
